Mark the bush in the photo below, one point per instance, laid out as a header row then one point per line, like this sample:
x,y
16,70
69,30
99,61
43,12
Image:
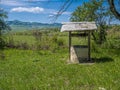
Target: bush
x,y
10,42
48,41
2,46
2,43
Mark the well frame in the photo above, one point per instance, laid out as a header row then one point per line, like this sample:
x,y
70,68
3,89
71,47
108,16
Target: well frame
x,y
87,27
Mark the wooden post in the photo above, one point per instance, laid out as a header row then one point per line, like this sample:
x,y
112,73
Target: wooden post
x,y
70,46
88,45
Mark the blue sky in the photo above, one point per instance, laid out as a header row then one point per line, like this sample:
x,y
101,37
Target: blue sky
x,y
37,10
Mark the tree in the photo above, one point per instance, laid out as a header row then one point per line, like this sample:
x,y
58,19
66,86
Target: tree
x,y
3,27
113,8
112,5
94,11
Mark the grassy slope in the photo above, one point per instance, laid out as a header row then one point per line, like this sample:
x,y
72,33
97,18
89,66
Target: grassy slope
x,y
44,70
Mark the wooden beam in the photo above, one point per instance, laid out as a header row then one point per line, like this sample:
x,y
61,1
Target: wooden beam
x,y
70,45
79,34
89,56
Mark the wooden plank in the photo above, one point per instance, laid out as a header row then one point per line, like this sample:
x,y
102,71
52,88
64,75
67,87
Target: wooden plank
x,y
79,34
70,45
89,57
78,26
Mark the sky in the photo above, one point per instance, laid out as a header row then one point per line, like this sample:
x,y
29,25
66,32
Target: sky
x,y
38,10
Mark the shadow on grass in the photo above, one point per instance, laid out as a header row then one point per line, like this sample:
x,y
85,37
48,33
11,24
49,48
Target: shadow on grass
x,y
103,60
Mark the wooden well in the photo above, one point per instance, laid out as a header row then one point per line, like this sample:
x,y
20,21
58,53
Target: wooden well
x,y
78,53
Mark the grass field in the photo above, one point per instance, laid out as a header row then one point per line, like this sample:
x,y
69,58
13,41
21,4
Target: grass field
x,y
46,70
43,70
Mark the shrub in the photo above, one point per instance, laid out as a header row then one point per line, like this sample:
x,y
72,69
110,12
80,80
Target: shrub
x,y
60,42
2,43
47,41
10,42
22,45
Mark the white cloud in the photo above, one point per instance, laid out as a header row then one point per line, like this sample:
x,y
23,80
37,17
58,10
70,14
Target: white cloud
x,y
41,10
64,13
51,15
67,13
30,9
11,3
53,12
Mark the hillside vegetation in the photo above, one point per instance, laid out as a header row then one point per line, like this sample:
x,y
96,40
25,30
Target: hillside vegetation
x,y
17,25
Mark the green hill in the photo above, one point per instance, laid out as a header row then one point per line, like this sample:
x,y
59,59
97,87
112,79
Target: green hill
x,y
20,25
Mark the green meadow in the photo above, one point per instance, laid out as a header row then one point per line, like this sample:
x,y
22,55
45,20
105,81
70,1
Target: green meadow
x,y
34,60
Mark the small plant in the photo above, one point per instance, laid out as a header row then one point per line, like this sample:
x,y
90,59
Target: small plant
x,y
37,34
23,45
60,42
38,37
2,55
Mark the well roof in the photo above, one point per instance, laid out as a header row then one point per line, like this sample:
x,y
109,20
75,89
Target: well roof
x,y
78,26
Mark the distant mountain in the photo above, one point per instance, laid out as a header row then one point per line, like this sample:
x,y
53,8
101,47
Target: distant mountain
x,y
20,25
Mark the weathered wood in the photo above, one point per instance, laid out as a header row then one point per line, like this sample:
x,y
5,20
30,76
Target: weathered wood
x,y
89,57
83,28
79,34
78,26
69,45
